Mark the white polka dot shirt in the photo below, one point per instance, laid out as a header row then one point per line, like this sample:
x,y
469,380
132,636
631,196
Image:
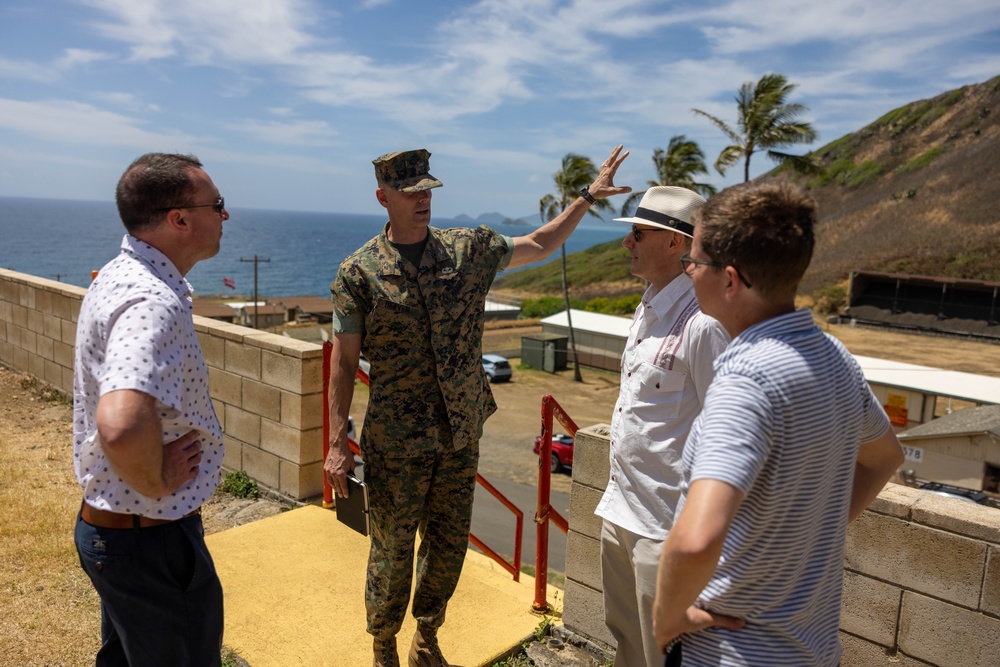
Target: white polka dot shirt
x,y
136,332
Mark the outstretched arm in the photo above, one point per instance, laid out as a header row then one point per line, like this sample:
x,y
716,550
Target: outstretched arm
x,y
544,241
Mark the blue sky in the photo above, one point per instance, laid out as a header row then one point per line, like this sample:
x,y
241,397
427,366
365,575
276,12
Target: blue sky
x,y
288,101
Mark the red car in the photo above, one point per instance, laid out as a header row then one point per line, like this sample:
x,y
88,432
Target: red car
x,y
562,451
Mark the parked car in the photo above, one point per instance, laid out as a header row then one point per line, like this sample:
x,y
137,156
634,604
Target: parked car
x,y
562,451
957,492
497,368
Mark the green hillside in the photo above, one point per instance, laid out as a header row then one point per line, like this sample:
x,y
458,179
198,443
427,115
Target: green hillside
x,y
915,191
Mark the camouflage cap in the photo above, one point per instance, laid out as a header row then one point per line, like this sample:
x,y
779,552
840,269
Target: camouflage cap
x,y
406,171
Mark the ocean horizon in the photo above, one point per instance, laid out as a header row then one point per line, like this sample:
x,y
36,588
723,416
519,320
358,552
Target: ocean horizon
x,y
298,252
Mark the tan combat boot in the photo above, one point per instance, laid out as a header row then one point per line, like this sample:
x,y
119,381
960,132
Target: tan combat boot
x,y
424,650
385,653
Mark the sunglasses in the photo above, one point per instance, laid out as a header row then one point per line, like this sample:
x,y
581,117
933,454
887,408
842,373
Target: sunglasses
x,y
638,232
219,205
687,261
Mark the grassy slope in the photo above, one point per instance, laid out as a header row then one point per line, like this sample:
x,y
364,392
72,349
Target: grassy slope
x,y
916,192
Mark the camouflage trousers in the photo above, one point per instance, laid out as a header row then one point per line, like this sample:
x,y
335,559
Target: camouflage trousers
x,y
432,494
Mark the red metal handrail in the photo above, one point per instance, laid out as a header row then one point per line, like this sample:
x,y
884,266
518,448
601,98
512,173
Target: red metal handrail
x,y
547,513
514,569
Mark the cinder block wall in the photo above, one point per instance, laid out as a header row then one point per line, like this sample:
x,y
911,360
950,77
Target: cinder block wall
x,y
267,389
921,573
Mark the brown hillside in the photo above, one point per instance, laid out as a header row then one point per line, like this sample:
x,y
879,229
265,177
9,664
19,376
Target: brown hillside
x,y
914,192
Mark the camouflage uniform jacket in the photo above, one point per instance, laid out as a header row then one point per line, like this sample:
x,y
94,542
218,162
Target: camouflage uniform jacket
x,y
422,332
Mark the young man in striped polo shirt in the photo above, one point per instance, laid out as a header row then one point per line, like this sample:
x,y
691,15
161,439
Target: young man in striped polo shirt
x,y
790,446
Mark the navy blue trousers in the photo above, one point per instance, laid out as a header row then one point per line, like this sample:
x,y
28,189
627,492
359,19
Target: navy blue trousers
x,y
161,599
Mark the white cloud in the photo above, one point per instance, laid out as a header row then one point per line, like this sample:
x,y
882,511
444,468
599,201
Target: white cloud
x,y
127,101
75,123
23,69
296,133
74,57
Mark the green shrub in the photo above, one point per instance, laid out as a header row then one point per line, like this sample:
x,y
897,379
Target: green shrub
x,y
240,485
547,305
829,299
921,160
865,172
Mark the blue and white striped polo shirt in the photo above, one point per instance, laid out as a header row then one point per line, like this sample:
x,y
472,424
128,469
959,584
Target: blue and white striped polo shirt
x,y
782,421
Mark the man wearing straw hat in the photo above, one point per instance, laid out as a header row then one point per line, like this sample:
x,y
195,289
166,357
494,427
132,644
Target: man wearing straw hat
x,y
666,369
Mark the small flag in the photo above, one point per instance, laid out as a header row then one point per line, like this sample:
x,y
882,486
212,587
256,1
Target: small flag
x,y
229,282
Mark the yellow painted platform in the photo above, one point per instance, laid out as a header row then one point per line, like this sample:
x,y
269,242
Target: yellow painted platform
x,y
294,592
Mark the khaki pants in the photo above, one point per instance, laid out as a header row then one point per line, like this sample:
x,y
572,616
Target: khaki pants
x,y
628,566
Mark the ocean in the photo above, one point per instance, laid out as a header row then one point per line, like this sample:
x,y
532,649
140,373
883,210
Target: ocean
x,y
65,240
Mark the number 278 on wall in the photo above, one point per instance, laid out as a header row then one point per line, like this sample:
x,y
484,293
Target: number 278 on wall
x,y
913,453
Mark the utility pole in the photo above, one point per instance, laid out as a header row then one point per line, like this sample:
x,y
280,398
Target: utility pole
x,y
255,260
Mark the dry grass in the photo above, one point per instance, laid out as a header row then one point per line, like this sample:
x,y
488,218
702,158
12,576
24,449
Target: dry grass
x,y
49,612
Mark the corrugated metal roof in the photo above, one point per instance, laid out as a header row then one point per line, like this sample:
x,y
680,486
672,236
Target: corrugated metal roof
x,y
937,381
611,325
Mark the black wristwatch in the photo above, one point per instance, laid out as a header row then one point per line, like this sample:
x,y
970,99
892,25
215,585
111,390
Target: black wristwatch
x,y
585,193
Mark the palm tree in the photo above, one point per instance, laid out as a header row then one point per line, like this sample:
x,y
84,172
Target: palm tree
x,y
766,122
577,171
678,165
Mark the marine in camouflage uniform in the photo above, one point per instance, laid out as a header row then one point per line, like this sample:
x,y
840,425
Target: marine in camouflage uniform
x,y
417,311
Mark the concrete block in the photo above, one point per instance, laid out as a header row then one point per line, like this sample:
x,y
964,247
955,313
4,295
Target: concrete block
x,y
3,330
301,481
52,327
261,466
213,349
225,387
67,332
5,352
243,360
302,412
26,296
232,456
36,322
265,341
299,376
859,652
223,330
62,306
976,521
36,366
43,301
583,613
66,384
590,457
220,412
43,348
870,608
297,446
62,354
582,503
923,559
243,425
261,399
583,560
19,358
52,374
19,316
991,584
946,635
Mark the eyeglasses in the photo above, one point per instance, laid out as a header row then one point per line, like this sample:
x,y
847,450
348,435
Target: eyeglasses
x,y
638,232
687,260
219,205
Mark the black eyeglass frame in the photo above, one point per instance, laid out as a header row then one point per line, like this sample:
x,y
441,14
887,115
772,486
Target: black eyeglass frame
x,y
687,260
219,205
638,232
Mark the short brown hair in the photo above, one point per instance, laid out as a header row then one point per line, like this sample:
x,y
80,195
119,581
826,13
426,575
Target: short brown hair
x,y
765,230
152,184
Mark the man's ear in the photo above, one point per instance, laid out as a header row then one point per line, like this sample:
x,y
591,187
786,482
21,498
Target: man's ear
x,y
733,282
175,219
382,199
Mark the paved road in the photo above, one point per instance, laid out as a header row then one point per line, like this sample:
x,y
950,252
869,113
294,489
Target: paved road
x,y
494,524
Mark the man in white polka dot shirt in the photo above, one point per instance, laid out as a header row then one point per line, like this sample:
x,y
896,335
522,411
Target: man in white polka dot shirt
x,y
147,444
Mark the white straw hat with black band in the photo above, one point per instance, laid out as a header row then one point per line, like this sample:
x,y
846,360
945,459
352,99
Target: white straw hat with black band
x,y
667,207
